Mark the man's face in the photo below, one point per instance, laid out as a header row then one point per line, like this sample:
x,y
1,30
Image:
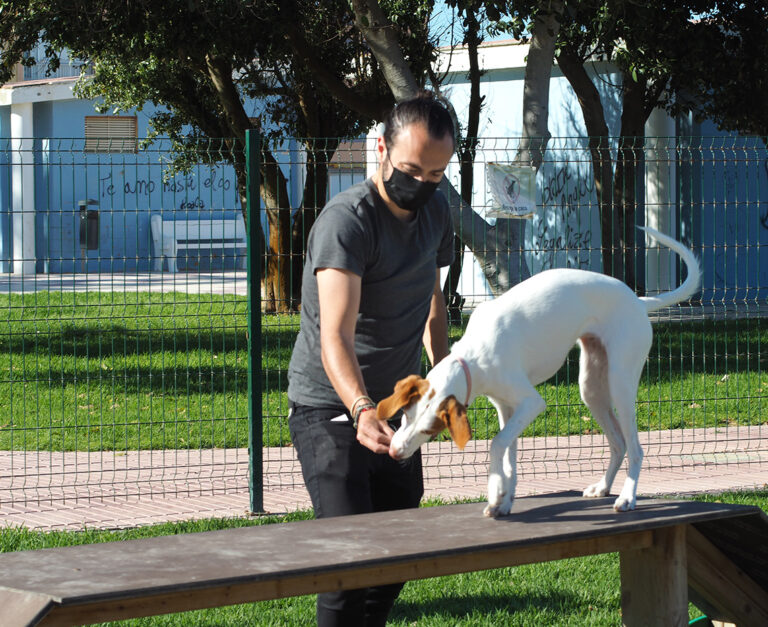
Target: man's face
x,y
416,153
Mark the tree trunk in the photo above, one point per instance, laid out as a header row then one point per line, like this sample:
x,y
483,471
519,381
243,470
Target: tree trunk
x,y
536,135
573,69
274,192
314,199
467,153
538,70
630,152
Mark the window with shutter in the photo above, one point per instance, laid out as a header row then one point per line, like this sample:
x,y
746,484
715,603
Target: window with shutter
x,y
111,133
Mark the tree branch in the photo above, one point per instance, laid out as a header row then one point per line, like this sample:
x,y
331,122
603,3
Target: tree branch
x,y
373,109
220,73
382,38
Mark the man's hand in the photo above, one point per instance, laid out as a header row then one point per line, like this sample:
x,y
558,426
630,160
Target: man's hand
x,y
373,433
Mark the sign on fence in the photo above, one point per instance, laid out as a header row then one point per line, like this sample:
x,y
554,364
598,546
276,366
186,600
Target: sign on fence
x,y
513,188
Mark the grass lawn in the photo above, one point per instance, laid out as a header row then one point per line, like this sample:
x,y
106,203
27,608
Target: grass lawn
x,y
578,591
125,371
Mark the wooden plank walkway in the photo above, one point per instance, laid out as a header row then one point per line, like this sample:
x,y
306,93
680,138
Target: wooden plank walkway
x,y
50,491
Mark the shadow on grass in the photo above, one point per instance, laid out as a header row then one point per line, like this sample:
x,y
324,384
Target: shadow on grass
x,y
463,607
163,357
159,360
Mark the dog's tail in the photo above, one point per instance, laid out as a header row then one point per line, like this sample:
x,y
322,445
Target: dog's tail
x,y
691,283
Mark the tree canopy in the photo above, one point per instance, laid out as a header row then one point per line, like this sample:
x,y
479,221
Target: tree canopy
x,y
217,68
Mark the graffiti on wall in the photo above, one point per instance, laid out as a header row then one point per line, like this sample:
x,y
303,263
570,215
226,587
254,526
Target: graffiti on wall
x,y
188,191
562,233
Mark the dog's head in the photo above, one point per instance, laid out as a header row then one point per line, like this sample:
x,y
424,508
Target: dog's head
x,y
426,412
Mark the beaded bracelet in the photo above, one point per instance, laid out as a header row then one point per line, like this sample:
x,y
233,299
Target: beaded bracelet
x,y
352,407
359,410
358,399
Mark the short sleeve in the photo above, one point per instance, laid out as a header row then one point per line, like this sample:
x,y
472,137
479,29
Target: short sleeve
x,y
338,240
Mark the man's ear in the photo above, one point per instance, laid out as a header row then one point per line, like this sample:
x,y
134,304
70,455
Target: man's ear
x,y
407,391
381,147
454,415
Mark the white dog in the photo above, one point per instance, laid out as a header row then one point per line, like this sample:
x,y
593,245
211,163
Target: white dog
x,y
520,340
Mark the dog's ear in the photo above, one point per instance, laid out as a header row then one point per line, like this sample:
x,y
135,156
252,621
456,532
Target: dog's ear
x,y
407,391
454,415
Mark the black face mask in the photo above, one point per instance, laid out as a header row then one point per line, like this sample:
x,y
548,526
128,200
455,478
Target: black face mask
x,y
408,192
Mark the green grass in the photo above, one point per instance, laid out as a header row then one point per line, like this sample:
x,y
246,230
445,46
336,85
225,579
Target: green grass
x,y
578,591
117,371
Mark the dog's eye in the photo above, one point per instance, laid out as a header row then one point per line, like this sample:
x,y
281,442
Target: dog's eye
x,y
434,429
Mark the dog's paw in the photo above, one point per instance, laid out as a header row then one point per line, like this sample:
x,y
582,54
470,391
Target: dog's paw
x,y
496,491
595,490
498,510
499,497
624,504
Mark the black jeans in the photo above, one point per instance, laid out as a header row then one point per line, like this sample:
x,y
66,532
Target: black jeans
x,y
343,478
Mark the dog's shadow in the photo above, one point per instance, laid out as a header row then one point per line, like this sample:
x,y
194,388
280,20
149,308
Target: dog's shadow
x,y
596,511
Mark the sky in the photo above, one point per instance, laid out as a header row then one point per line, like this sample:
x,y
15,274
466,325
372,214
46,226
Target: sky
x,y
449,29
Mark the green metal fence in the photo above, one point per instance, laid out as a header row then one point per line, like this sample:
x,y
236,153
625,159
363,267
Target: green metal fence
x,y
120,378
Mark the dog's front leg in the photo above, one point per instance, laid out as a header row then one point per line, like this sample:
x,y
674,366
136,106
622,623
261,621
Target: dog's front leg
x,y
502,474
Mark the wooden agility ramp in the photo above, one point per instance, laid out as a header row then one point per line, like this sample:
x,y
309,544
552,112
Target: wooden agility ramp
x,y
666,548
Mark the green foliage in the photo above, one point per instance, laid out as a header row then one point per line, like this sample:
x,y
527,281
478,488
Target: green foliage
x,y
199,61
700,56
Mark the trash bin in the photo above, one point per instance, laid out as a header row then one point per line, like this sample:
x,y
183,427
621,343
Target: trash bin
x,y
89,225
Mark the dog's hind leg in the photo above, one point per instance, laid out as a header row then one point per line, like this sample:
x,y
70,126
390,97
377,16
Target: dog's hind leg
x,y
595,392
624,390
502,474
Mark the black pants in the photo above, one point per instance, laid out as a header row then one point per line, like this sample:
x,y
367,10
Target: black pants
x,y
343,477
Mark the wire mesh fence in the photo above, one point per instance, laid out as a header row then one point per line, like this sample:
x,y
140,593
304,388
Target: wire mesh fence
x,y
119,376
702,397
124,348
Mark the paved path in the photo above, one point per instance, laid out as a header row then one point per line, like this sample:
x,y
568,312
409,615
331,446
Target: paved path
x,y
113,490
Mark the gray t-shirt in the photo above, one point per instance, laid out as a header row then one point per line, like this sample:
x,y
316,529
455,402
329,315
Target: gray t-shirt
x,y
398,262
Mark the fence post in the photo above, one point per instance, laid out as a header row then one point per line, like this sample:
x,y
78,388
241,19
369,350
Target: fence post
x,y
255,413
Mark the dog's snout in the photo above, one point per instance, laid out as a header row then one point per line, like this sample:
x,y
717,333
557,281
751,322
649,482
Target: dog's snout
x,y
395,453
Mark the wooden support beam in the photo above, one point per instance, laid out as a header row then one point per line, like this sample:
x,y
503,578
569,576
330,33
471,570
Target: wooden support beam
x,y
722,584
654,588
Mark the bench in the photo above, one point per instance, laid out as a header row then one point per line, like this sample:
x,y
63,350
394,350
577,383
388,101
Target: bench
x,y
666,547
169,236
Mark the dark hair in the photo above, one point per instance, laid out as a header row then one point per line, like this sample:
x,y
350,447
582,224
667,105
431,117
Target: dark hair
x,y
424,108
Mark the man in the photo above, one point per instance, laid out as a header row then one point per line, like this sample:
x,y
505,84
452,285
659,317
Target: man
x,y
371,296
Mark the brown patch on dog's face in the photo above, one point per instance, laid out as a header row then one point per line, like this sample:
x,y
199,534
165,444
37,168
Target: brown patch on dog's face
x,y
437,427
454,415
407,391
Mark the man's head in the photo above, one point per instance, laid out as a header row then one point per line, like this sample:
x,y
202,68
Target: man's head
x,y
423,109
414,150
